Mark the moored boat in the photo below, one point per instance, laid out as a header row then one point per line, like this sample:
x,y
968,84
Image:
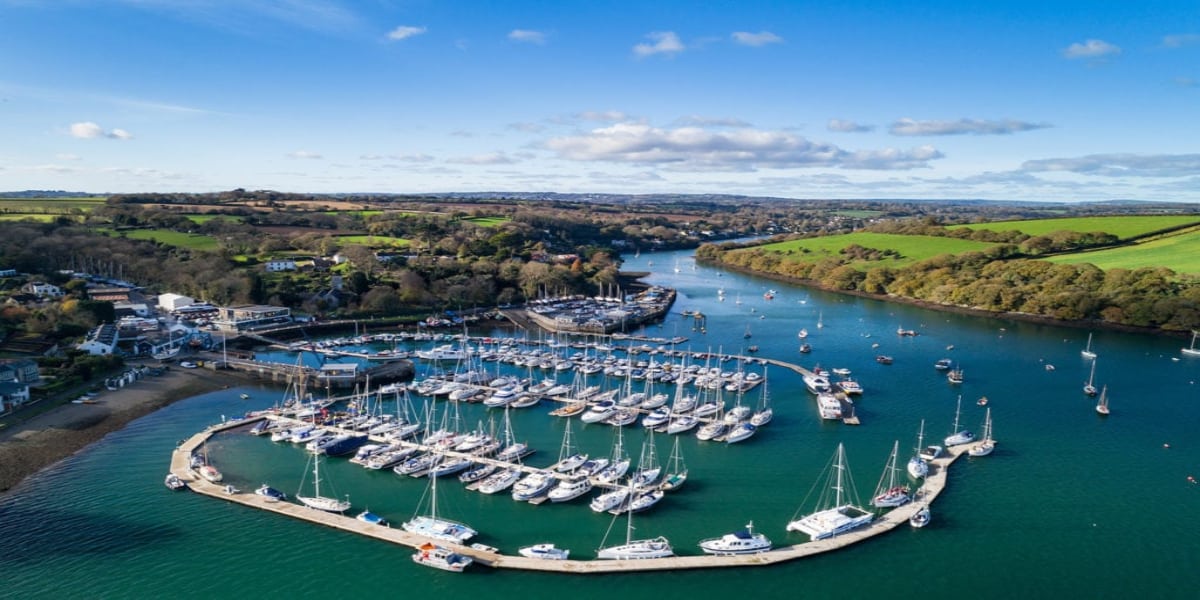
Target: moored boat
x,y
438,557
920,518
840,515
174,482
544,552
743,541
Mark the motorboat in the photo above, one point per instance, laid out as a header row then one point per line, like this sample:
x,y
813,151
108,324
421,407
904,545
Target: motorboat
x,y
544,552
432,555
367,516
174,482
499,481
829,406
570,488
270,494
743,541
920,518
533,485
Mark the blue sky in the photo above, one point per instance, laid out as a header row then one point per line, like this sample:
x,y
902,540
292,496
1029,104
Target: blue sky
x,y
1039,100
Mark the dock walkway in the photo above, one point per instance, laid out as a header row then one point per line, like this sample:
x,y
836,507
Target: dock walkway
x,y
933,485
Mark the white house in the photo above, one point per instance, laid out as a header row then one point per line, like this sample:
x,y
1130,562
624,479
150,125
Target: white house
x,y
101,340
283,264
42,289
12,395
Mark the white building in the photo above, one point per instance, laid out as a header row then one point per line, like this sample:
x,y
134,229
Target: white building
x,y
174,302
43,290
283,264
12,395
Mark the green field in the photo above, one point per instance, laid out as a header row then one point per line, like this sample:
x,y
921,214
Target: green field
x,y
190,241
40,217
858,214
1180,253
202,219
912,248
487,221
1124,227
374,241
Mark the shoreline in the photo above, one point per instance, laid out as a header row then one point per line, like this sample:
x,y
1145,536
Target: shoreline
x,y
42,441
961,310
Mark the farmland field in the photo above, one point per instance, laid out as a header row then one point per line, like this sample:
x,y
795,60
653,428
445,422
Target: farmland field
x,y
40,217
56,206
373,241
202,219
190,241
912,248
1124,227
487,221
1180,253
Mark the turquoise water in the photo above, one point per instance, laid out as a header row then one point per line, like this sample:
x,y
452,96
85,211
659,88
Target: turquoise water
x,y
1070,504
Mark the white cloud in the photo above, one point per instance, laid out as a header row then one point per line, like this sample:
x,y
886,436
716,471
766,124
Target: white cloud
x,y
305,154
491,158
1120,165
665,42
1180,40
845,126
89,130
527,35
697,149
1093,49
404,32
908,126
761,38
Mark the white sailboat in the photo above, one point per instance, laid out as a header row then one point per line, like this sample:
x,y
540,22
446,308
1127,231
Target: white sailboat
x,y
1089,388
1102,405
820,321
917,467
1087,350
433,527
677,470
318,501
841,514
959,436
890,492
764,414
633,549
987,444
1192,350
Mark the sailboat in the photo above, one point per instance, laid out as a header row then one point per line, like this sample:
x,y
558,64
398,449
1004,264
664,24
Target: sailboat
x,y
962,436
890,493
1102,405
841,514
648,468
747,334
987,444
318,501
955,375
917,467
433,527
1087,351
1089,388
568,459
657,547
820,323
1192,350
677,471
764,414
618,464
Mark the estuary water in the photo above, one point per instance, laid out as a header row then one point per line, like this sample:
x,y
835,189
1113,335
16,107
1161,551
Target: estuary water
x,y
1070,504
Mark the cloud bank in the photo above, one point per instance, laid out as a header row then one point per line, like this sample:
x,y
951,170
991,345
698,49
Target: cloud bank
x,y
665,42
908,126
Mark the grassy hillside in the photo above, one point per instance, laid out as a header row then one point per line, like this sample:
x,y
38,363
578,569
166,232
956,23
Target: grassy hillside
x,y
171,238
1180,253
1123,227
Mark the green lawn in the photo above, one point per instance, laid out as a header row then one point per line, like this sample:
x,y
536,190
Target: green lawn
x,y
190,241
912,248
374,241
202,219
1124,227
1180,253
487,221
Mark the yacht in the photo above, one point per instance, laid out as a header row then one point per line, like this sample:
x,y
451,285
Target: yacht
x,y
609,500
829,405
571,488
446,352
817,383
917,467
544,552
499,481
174,482
744,541
533,485
270,494
840,516
599,412
741,432
959,436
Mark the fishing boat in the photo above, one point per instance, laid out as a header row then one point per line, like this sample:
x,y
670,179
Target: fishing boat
x,y
435,527
270,494
920,518
1089,388
958,436
917,467
1192,350
544,552
743,541
841,512
174,482
1102,405
318,501
432,555
987,444
632,549
890,492
1087,350
677,470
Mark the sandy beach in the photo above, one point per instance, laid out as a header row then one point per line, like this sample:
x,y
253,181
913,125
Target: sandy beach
x,y
28,447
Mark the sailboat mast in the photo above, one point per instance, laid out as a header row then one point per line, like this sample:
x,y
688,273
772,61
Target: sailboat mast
x,y
837,488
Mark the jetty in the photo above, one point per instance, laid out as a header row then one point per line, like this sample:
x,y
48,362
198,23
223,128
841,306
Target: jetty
x,y
933,484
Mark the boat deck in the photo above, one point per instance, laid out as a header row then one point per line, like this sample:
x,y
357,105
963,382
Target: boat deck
x,y
933,485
